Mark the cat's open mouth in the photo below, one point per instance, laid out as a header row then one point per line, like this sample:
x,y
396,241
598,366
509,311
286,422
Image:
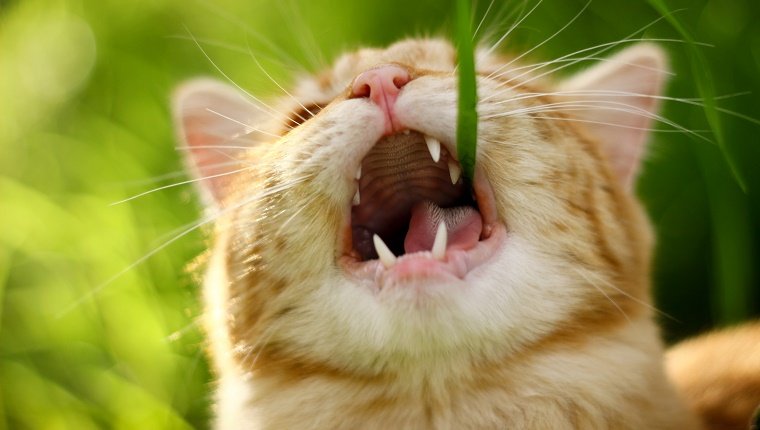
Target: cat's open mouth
x,y
413,209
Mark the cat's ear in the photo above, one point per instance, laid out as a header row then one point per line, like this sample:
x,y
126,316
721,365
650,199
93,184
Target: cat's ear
x,y
214,123
616,102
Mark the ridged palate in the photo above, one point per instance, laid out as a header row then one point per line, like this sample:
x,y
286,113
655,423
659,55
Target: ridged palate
x,y
397,173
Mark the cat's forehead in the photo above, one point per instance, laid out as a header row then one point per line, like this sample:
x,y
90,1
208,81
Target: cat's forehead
x,y
426,54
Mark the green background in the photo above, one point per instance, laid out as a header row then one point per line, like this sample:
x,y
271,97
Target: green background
x,y
84,122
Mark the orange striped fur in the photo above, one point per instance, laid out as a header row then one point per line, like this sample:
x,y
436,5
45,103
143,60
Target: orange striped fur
x,y
555,332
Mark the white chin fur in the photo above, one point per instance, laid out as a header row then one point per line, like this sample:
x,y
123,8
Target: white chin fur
x,y
482,315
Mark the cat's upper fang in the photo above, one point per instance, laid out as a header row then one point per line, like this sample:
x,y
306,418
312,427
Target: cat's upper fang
x,y
434,146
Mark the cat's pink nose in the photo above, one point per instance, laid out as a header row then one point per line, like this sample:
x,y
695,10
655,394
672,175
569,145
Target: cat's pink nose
x,y
382,85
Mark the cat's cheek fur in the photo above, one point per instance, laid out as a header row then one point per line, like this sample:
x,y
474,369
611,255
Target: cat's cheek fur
x,y
314,149
428,104
369,331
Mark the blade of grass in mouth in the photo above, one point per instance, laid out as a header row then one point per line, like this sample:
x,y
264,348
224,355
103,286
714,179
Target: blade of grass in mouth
x,y
467,116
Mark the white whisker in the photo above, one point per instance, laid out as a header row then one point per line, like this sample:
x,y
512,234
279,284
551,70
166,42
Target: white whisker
x,y
593,284
601,48
595,104
90,294
304,205
177,184
259,105
281,87
502,16
688,101
482,19
194,147
639,301
556,69
263,340
540,65
512,28
234,48
583,9
178,334
248,128
274,48
309,45
567,93
609,45
181,173
586,121
203,221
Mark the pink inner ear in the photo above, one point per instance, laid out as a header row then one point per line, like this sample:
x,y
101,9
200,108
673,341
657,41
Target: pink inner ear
x,y
208,163
620,99
212,120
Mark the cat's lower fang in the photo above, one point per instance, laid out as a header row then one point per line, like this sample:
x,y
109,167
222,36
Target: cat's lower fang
x,y
357,199
384,254
439,244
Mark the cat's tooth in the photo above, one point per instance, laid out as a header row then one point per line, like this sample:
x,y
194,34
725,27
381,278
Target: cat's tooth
x,y
356,198
455,171
358,173
434,146
439,244
385,254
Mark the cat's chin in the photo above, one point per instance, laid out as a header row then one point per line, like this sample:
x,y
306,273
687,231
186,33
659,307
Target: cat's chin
x,y
422,268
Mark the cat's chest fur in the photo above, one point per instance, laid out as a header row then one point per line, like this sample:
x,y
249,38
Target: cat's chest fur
x,y
559,390
358,281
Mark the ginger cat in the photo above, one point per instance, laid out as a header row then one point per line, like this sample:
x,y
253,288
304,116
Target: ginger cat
x,y
356,280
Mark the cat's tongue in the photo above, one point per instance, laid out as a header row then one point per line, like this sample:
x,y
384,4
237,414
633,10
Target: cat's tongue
x,y
463,225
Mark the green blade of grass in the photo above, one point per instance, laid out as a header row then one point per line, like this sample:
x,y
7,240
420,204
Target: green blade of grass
x,y
703,81
730,228
467,115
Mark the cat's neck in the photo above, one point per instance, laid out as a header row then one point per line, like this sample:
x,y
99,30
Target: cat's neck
x,y
542,390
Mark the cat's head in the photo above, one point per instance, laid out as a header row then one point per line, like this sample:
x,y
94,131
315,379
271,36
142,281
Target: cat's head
x,y
546,244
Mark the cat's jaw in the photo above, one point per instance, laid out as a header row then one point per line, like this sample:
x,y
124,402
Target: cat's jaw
x,y
422,268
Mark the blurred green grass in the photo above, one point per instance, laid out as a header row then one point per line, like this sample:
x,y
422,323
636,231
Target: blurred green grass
x,y
84,122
